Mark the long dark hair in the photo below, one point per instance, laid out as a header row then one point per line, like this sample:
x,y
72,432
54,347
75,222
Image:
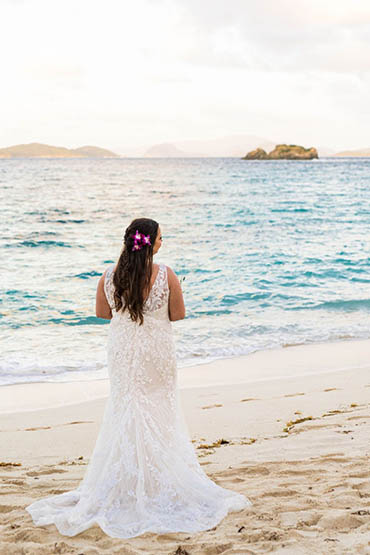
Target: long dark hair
x,y
134,269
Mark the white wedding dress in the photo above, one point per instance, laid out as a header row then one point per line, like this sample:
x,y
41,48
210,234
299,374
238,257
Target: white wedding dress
x,y
143,475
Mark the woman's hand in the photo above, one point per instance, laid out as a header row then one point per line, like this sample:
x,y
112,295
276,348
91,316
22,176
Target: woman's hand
x,y
176,306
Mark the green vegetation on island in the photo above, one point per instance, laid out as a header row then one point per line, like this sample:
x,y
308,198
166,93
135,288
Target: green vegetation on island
x,y
283,152
38,150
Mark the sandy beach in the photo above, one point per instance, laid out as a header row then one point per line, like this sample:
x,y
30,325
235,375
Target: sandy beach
x,y
287,427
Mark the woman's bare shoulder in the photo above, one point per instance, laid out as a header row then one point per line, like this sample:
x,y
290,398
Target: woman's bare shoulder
x,y
171,276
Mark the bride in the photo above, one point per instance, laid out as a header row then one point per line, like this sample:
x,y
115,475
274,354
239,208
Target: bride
x,y
143,474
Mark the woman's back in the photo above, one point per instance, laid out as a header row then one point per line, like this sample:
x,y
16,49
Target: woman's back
x,y
157,298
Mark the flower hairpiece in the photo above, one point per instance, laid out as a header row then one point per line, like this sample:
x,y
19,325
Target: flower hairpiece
x,y
140,240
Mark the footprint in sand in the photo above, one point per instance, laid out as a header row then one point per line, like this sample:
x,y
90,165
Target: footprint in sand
x,y
57,425
42,472
339,520
32,535
328,455
304,472
15,482
78,422
358,417
57,491
332,389
257,470
334,412
280,493
335,458
359,475
38,428
8,508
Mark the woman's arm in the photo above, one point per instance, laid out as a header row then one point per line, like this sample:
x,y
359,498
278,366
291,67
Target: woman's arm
x,y
102,308
176,306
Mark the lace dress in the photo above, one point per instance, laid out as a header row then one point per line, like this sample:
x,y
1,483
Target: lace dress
x,y
143,475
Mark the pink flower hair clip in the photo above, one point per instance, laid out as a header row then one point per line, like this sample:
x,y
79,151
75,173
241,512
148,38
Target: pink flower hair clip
x,y
140,240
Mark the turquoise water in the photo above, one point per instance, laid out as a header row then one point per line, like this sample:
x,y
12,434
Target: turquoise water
x,y
273,253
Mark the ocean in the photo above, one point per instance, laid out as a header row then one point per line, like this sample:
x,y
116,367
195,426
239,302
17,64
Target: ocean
x,y
274,253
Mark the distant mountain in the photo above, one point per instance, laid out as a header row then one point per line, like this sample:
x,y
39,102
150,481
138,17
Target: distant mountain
x,y
38,150
228,146
95,152
165,150
354,153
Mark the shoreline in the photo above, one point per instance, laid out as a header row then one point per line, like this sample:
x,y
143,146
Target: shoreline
x,y
247,403
282,363
210,359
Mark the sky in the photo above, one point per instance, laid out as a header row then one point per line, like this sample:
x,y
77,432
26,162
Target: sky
x,y
127,73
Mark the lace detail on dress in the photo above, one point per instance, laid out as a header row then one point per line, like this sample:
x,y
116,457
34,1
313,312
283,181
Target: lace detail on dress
x,y
143,474
158,295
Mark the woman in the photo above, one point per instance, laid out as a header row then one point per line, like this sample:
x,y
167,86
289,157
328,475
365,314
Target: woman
x,y
143,475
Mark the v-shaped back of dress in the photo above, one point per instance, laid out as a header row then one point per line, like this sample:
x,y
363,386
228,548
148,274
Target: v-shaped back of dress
x,y
158,295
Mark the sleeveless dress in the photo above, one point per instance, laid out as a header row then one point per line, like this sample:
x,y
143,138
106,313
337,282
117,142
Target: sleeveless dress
x,y
143,475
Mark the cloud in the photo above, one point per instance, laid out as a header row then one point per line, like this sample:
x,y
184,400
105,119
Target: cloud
x,y
161,70
285,35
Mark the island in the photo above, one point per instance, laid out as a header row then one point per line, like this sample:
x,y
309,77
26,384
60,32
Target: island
x,y
38,150
362,153
283,152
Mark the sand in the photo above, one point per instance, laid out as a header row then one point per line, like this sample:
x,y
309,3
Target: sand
x,y
295,427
